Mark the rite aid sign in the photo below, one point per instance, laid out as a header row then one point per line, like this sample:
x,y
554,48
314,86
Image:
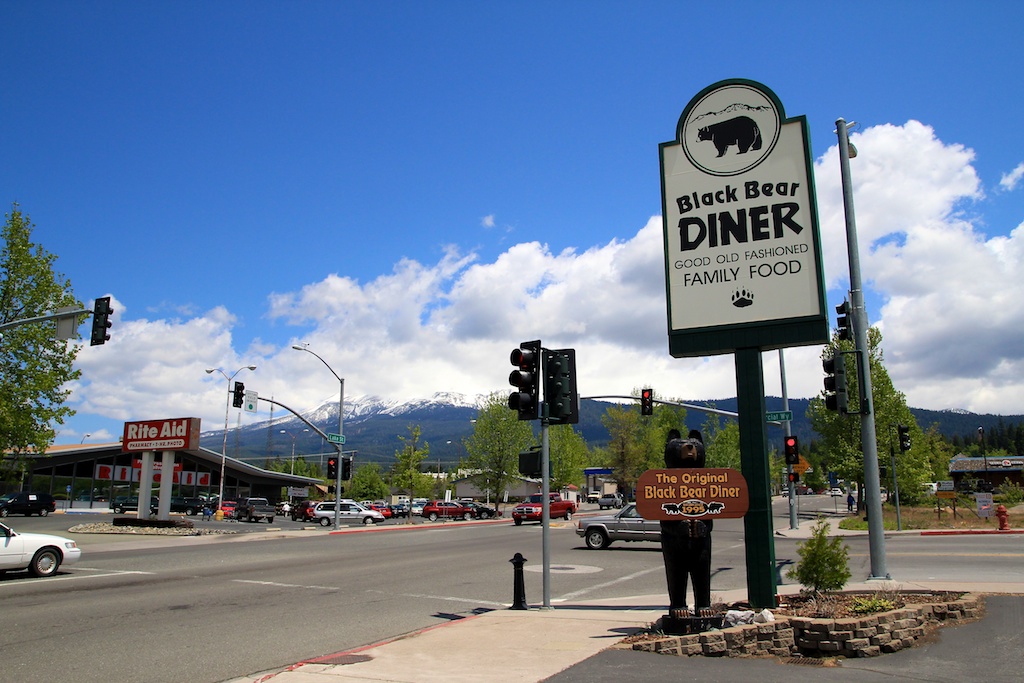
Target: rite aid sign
x,y
742,244
177,434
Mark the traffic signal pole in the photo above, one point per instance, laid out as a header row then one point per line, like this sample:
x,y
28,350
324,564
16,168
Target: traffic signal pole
x,y
868,438
545,461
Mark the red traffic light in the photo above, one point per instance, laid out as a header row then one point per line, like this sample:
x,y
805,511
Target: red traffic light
x,y
792,448
647,401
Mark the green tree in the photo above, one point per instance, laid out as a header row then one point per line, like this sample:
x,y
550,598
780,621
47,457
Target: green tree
x,y
35,368
492,450
626,453
368,483
568,453
840,434
406,474
721,442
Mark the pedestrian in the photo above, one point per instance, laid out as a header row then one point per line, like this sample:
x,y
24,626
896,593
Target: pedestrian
x,y
850,501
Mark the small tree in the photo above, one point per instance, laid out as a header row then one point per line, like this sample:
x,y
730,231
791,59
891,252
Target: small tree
x,y
824,563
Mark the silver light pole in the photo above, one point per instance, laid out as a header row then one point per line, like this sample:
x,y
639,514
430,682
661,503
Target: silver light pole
x,y
869,442
227,414
341,432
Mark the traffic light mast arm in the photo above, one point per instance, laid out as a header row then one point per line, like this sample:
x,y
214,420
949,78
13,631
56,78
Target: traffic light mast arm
x,y
309,424
42,318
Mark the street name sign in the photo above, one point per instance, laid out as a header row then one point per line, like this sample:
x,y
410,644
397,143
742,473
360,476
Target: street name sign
x,y
336,438
779,416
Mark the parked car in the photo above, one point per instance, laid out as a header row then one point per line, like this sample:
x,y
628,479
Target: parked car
x,y
610,500
350,511
131,503
381,508
416,508
481,511
40,554
27,504
303,512
228,508
836,491
399,509
625,525
446,509
190,506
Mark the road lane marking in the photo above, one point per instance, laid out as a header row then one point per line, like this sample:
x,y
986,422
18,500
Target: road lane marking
x,y
287,585
447,598
606,584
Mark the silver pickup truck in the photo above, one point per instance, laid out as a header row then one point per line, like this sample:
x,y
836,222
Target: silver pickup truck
x,y
624,525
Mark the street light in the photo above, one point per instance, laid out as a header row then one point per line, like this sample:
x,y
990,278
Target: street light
x,y
341,416
227,414
285,431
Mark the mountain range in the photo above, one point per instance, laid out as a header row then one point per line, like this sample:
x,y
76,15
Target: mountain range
x,y
373,425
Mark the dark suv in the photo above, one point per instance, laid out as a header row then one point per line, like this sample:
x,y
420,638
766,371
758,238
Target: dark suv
x,y
27,504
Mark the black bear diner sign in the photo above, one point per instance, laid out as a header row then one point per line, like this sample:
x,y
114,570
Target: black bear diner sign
x,y
678,494
742,245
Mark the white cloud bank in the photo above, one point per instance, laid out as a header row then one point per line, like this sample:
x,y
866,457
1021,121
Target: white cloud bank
x,y
946,296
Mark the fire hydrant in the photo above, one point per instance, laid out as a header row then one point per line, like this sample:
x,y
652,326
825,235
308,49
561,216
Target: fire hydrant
x,y
1004,518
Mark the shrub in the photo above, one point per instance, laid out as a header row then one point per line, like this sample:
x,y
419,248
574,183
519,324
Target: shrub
x,y
872,604
824,563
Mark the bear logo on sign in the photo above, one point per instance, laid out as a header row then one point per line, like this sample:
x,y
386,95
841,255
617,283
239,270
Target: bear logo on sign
x,y
741,131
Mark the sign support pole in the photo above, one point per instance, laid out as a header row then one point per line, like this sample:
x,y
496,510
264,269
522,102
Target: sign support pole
x,y
757,524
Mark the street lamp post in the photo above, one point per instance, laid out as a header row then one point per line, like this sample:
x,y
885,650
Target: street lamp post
x,y
227,414
341,423
285,431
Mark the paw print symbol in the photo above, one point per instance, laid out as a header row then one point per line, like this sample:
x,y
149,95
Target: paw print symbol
x,y
742,298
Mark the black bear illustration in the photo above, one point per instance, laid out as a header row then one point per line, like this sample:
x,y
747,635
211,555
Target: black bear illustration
x,y
741,131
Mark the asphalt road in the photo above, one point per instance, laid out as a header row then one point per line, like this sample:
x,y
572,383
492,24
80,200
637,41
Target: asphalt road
x,y
202,609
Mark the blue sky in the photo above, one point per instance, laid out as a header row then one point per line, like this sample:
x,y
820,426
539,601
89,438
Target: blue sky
x,y
414,188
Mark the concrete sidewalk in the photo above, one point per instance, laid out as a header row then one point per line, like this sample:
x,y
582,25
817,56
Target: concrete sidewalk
x,y
525,646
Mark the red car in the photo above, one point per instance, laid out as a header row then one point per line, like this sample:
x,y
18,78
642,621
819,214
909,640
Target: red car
x,y
228,508
382,509
447,509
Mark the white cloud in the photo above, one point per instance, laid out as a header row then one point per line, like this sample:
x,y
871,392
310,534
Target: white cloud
x,y
1010,180
487,221
944,294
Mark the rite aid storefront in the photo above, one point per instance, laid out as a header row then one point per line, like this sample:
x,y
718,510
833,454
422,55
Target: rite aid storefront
x,y
94,475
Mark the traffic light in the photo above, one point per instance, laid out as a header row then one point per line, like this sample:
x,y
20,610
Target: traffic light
x,y
793,477
904,434
332,469
101,311
845,320
346,468
647,401
792,450
238,397
560,386
526,400
835,382
530,462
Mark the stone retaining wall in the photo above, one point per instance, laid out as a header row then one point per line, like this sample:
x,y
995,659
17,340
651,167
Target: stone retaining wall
x,y
866,636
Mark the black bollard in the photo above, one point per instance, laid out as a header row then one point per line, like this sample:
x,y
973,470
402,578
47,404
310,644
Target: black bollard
x,y
518,585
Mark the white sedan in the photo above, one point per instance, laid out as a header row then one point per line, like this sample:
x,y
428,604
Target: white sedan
x,y
41,554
